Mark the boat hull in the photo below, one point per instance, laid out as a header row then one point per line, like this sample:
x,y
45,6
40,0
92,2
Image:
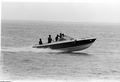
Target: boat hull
x,y
77,48
69,45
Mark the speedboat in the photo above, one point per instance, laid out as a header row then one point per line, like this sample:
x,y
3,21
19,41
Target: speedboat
x,y
68,45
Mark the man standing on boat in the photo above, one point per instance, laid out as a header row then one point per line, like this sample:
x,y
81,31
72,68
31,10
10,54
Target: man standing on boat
x,y
40,41
49,39
57,38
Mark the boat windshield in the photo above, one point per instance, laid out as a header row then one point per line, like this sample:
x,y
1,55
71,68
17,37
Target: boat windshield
x,y
65,37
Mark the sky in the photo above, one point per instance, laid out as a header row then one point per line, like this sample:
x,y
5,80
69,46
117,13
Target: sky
x,y
62,11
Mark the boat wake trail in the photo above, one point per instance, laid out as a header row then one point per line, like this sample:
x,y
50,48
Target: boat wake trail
x,y
26,49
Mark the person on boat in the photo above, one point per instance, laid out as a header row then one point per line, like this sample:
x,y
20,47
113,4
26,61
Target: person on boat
x,y
49,39
62,37
40,41
56,38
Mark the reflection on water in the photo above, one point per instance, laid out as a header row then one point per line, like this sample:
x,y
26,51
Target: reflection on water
x,y
74,53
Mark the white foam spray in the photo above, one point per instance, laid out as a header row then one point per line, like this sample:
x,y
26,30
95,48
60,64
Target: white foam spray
x,y
27,49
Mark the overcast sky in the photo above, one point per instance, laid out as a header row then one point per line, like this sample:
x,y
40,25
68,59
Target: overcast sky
x,y
62,11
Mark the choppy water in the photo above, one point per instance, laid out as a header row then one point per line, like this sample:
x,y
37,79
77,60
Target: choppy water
x,y
21,62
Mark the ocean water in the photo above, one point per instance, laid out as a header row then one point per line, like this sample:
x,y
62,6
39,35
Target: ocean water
x,y
20,61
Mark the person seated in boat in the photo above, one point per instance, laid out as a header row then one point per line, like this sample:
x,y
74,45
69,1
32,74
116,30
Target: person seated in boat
x,y
62,37
56,38
49,39
40,41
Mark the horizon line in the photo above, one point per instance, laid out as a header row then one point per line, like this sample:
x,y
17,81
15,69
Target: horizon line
x,y
59,21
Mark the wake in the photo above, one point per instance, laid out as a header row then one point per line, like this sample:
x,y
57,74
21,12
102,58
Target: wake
x,y
26,49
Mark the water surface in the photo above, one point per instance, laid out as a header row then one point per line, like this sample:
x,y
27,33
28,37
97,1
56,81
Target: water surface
x,y
21,62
